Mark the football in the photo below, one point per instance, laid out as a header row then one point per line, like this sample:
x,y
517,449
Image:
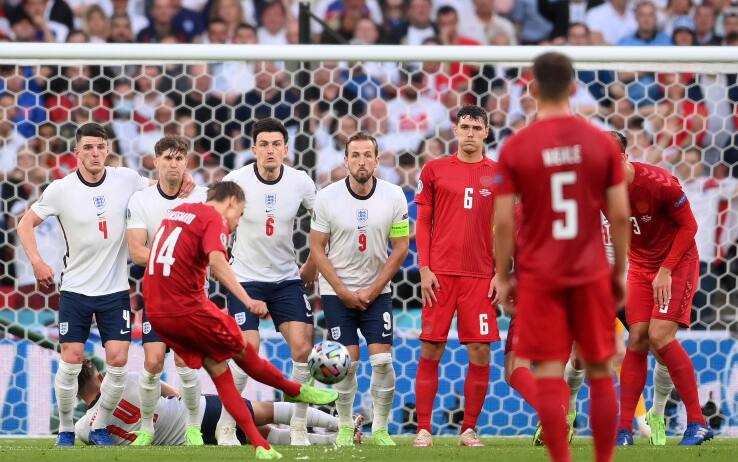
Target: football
x,y
329,362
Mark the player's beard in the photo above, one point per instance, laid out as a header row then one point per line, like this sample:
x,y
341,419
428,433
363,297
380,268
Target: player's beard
x,y
362,176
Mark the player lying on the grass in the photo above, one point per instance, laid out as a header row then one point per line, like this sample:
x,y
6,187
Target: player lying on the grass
x,y
171,418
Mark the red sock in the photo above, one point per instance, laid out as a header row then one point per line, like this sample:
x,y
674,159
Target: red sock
x,y
475,391
603,417
632,380
426,386
523,381
553,399
234,404
681,371
263,371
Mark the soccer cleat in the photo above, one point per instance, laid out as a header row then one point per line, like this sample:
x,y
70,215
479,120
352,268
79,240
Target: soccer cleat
x,y
538,436
143,438
226,435
381,438
311,395
65,439
423,439
624,438
570,421
658,428
193,436
345,436
263,453
470,439
299,437
100,437
696,434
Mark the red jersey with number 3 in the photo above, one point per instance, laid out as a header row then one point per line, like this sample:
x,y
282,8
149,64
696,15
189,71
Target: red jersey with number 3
x,y
561,168
460,194
655,197
174,280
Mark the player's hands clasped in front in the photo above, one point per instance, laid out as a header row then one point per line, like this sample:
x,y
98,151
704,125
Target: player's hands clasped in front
x,y
662,288
308,275
43,273
366,296
257,307
428,285
351,300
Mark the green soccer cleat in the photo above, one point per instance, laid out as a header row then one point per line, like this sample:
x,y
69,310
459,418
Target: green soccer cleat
x,y
658,428
381,438
311,395
571,418
263,453
538,436
193,436
143,438
345,436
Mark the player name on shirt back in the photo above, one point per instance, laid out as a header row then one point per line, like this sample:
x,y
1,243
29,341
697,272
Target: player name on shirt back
x,y
562,155
180,216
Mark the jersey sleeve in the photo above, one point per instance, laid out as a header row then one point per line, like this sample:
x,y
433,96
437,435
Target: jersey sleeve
x,y
309,193
135,215
400,221
48,204
505,178
672,197
424,191
139,182
230,176
321,220
200,194
214,237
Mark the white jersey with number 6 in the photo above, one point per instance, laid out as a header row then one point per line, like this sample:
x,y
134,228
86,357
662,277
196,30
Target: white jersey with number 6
x,y
264,250
359,229
93,221
147,207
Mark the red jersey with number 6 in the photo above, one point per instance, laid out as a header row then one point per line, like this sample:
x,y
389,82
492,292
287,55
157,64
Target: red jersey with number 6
x,y
561,168
174,281
460,194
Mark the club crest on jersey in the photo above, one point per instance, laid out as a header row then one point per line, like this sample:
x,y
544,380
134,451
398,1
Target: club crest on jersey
x,y
336,333
362,216
99,202
241,318
146,327
63,328
270,202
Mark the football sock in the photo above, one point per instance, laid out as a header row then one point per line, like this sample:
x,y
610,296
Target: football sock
x,y
346,389
263,371
682,374
315,417
523,381
574,378
382,388
280,436
65,386
662,386
603,416
191,391
111,391
552,398
475,391
426,386
632,380
239,379
149,388
300,374
236,406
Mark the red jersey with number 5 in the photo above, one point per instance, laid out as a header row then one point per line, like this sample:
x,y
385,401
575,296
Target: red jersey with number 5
x,y
460,194
561,168
174,280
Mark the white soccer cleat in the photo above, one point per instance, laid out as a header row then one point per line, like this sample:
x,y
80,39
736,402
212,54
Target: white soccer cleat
x,y
470,439
643,427
226,435
299,437
423,439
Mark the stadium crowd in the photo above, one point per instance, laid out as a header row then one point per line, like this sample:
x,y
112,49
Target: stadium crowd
x,y
685,122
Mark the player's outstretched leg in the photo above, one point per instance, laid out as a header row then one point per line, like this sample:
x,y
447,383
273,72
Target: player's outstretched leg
x,y
65,387
225,429
346,389
662,387
383,391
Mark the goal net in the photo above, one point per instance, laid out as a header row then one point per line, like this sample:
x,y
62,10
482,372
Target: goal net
x,y
677,108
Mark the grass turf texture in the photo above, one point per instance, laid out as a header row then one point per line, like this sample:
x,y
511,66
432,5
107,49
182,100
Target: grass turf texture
x,y
444,449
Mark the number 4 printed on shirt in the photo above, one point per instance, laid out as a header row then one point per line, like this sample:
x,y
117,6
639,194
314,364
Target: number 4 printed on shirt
x,y
102,225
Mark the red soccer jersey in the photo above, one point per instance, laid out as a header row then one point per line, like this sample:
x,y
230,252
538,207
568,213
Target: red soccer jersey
x,y
561,168
655,197
174,279
460,194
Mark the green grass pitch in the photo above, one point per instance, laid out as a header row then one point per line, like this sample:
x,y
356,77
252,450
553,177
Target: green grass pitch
x,y
445,450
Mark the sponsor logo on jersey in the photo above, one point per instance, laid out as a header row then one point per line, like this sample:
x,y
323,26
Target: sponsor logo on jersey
x,y
646,218
270,202
146,327
63,328
336,333
485,192
240,318
681,201
99,202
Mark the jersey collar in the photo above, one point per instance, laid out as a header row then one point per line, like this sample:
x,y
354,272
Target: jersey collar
x,y
165,195
92,185
356,196
275,181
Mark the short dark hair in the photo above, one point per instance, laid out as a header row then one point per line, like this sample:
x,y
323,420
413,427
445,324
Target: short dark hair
x,y
91,129
446,9
245,25
220,192
621,139
361,136
268,125
474,112
86,375
174,142
554,73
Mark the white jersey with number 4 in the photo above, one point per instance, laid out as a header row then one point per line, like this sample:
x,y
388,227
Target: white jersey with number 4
x,y
264,250
93,221
359,229
147,207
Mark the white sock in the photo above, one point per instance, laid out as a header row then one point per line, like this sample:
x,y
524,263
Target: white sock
x,y
149,389
282,436
315,417
346,389
382,388
191,391
662,386
574,378
239,378
300,374
65,386
111,391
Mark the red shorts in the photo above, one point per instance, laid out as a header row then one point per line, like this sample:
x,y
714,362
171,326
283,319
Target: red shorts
x,y
640,306
510,340
548,321
206,332
477,317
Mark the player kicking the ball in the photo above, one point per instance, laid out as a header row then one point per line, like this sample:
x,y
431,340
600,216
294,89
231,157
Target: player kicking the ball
x,y
352,223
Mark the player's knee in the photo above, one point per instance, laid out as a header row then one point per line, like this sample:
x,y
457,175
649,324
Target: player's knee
x,y
301,350
72,356
638,340
659,338
432,350
154,365
478,353
597,370
117,358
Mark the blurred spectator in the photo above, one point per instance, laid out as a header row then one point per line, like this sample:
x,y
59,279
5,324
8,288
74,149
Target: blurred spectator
x,y
646,33
611,21
235,78
232,13
148,95
28,94
563,14
217,32
533,27
162,23
142,155
332,150
207,108
273,20
675,10
10,140
120,29
330,10
704,25
730,23
271,97
51,20
419,25
683,32
484,24
78,36
96,25
342,17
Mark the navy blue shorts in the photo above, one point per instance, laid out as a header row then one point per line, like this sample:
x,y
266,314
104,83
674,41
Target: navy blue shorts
x,y
112,315
286,301
213,407
376,323
148,334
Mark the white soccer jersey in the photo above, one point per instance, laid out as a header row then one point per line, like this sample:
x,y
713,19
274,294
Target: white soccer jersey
x,y
93,220
147,207
360,228
170,418
264,250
